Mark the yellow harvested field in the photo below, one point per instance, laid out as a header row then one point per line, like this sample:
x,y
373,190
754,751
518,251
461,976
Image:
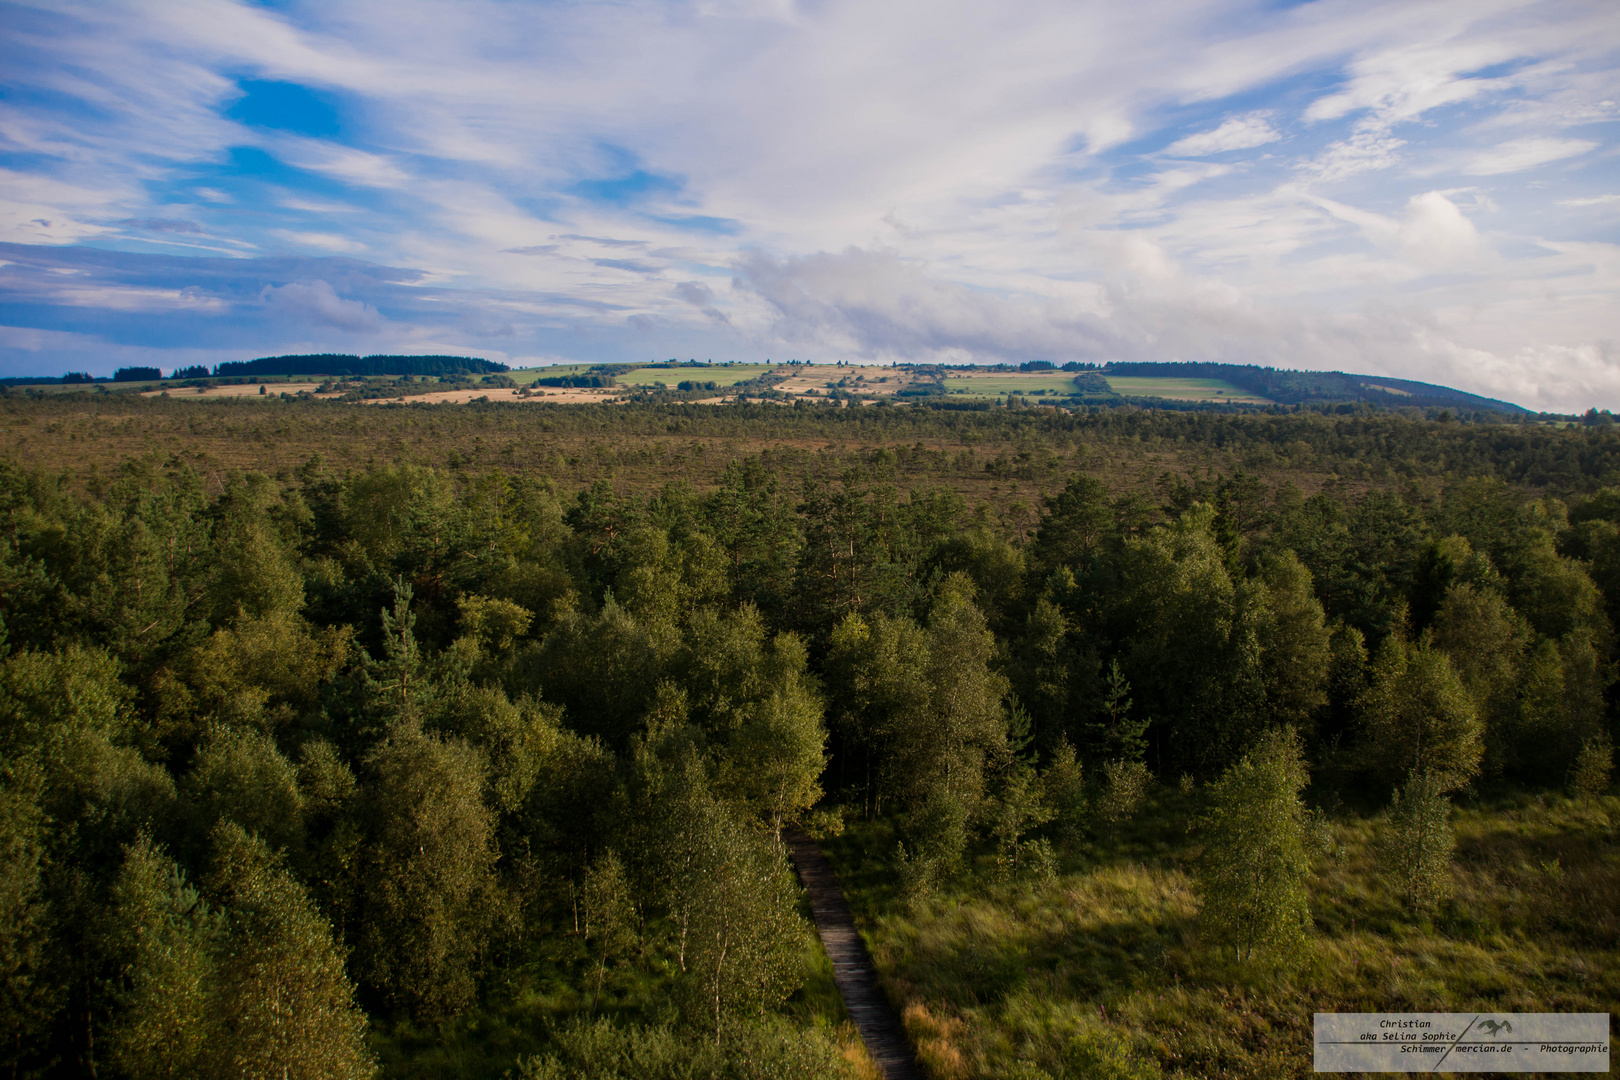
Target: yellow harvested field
x,y
805,378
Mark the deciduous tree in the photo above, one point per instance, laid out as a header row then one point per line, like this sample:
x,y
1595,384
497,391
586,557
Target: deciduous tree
x,y
1253,872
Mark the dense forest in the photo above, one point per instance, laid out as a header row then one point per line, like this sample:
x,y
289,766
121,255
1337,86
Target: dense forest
x,y
340,364
454,741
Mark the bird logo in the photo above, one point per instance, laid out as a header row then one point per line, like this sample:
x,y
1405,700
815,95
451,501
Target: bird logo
x,y
1496,1027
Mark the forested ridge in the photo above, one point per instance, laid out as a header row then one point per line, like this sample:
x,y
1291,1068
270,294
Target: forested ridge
x,y
460,741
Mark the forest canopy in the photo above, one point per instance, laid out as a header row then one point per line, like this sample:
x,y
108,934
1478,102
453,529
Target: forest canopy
x,y
448,760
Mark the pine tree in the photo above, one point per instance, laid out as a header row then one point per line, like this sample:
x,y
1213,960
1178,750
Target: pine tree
x,y
1021,807
1123,737
1253,872
400,689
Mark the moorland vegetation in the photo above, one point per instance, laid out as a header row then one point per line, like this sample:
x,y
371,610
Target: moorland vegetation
x,y
460,741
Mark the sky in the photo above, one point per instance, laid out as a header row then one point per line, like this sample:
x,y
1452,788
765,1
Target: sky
x,y
1427,189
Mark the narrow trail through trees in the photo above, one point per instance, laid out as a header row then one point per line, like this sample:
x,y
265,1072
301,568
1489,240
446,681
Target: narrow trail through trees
x,y
853,972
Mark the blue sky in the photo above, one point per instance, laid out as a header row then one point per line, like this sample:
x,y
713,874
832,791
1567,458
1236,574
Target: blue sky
x,y
1417,188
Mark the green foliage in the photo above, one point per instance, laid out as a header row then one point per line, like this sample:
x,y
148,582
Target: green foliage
x,y
496,623
50,696
429,861
284,1006
742,934
1065,790
607,913
401,694
1021,807
1294,642
938,831
25,987
1196,659
1125,785
1255,868
239,776
166,940
601,1051
1593,768
1418,716
1419,847
467,719
257,672
1118,735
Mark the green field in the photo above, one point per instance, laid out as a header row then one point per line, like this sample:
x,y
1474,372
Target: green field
x,y
1184,389
729,375
527,378
999,383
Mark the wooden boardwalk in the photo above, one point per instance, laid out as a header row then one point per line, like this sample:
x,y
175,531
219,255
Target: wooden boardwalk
x,y
874,1017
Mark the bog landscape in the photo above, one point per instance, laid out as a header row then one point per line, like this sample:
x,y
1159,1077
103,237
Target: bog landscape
x,y
434,719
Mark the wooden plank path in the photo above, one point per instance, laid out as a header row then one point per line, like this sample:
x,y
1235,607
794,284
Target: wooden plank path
x,y
853,972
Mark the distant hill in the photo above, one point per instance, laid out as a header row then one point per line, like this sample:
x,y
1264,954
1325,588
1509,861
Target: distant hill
x,y
1315,387
340,364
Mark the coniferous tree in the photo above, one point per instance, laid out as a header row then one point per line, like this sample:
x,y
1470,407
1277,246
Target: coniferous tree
x,y
398,684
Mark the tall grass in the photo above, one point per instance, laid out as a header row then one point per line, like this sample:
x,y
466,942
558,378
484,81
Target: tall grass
x,y
1102,971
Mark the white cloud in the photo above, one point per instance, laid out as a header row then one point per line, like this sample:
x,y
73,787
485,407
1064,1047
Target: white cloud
x,y
1235,133
1364,151
1518,155
318,303
324,241
972,164
1436,232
